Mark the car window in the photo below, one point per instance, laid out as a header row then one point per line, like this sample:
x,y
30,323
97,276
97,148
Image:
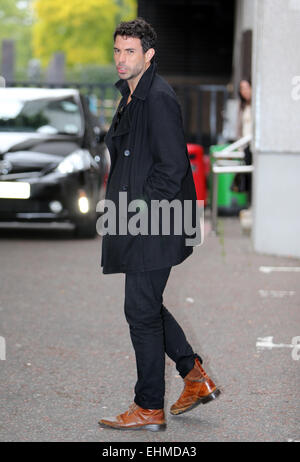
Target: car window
x,y
49,116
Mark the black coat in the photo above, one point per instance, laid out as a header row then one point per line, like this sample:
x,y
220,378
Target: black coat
x,y
149,160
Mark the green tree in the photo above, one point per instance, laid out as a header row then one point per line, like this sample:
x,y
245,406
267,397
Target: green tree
x,y
81,29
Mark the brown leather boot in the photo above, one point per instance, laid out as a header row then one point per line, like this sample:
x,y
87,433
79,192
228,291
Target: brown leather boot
x,y
137,418
198,388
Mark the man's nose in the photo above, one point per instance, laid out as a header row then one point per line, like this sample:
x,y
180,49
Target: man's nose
x,y
122,58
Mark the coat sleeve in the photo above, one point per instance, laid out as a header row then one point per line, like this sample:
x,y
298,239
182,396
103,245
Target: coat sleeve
x,y
168,147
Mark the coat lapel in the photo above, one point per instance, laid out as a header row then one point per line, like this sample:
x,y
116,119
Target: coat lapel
x,y
123,126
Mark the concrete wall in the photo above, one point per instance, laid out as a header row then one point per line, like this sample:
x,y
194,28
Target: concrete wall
x,y
276,144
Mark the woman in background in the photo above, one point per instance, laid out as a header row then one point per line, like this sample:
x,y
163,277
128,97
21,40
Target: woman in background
x,y
243,182
245,93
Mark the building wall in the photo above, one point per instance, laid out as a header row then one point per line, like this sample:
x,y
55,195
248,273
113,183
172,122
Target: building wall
x,y
276,144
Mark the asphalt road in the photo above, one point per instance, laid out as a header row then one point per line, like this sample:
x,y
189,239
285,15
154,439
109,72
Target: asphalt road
x,y
69,360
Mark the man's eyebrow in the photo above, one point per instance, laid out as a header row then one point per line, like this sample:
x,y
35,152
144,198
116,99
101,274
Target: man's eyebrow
x,y
126,49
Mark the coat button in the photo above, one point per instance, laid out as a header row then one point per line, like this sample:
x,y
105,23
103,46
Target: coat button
x,y
126,153
124,187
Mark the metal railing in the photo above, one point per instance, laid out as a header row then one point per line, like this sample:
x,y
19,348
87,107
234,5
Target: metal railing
x,y
228,154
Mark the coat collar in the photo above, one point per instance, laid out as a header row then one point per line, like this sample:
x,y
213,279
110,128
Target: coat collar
x,y
142,88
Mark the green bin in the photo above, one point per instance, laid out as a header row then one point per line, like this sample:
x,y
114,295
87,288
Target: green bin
x,y
229,202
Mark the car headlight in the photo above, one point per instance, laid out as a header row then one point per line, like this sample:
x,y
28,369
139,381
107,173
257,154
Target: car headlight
x,y
78,160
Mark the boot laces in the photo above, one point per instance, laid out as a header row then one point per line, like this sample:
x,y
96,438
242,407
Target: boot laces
x,y
132,408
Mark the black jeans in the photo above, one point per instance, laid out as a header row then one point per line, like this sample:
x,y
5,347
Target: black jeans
x,y
154,332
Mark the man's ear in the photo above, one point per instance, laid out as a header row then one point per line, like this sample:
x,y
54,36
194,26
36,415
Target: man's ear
x,y
149,54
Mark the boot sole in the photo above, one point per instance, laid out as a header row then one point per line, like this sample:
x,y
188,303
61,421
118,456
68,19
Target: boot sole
x,y
150,427
206,399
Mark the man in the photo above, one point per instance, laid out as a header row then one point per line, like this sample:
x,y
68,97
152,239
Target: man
x,y
150,163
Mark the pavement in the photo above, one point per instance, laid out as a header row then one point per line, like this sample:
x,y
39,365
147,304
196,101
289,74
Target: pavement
x,y
69,359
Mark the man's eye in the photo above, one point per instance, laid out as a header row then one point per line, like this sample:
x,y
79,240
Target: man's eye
x,y
130,52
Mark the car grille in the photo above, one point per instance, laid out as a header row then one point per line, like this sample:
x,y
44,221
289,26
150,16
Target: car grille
x,y
23,205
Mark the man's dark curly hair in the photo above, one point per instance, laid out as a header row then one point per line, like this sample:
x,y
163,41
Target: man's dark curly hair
x,y
138,28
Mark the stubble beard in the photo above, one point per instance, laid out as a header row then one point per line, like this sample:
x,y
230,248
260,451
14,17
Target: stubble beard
x,y
134,73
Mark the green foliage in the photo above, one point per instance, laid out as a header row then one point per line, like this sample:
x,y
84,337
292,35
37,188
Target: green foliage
x,y
83,30
16,23
92,74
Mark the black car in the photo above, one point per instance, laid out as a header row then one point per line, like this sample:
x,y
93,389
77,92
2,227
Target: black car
x,y
53,161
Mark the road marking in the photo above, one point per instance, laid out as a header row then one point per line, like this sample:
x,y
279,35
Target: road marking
x,y
2,349
266,343
286,269
276,293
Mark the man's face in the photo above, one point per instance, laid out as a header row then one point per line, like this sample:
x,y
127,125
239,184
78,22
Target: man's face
x,y
130,59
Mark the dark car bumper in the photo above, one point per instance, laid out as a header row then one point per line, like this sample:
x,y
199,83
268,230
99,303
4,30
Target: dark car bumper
x,y
47,195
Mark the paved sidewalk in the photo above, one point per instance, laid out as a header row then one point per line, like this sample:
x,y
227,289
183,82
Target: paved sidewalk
x,y
69,360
